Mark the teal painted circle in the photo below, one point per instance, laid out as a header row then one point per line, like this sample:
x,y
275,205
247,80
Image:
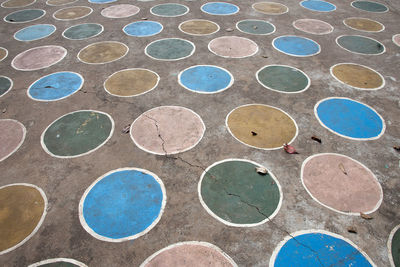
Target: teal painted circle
x,y
370,6
296,46
25,15
219,8
5,85
318,5
143,28
169,10
170,49
360,45
83,31
254,26
34,32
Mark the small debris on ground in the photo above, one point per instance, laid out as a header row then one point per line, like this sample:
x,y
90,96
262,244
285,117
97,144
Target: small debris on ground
x,y
366,216
289,149
4,110
144,18
229,30
255,27
126,129
253,133
397,148
261,170
316,139
352,229
264,56
341,167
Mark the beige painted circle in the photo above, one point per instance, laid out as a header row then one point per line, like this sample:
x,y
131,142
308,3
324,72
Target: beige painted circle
x,y
313,26
72,13
364,24
233,47
120,11
270,8
60,2
102,52
17,3
199,27
357,76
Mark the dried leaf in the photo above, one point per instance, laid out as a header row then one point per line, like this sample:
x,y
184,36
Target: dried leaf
x,y
126,129
253,133
316,139
261,170
365,216
289,149
352,229
397,148
341,167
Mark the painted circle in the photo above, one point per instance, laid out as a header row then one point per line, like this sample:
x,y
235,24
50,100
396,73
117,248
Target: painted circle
x,y
284,79
120,11
25,15
296,46
103,52
370,6
5,85
12,135
318,5
23,211
349,118
273,126
313,26
317,247
55,86
3,53
255,26
393,246
270,8
64,262
131,82
199,27
219,8
341,184
190,253
101,1
233,47
396,40
235,194
143,28
83,31
77,133
34,32
360,45
364,24
39,57
17,3
357,76
60,2
169,10
180,128
206,79
170,49
122,204
72,13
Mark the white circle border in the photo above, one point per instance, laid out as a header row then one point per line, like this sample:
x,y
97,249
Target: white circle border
x,y
247,39
262,34
172,38
199,34
5,55
8,90
389,245
174,16
2,4
387,9
40,263
18,22
357,53
162,28
393,37
279,50
90,63
296,27
63,33
54,29
91,10
20,143
318,10
273,14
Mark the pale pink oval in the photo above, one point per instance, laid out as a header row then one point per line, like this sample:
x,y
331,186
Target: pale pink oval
x,y
39,57
313,26
396,39
12,135
120,11
233,47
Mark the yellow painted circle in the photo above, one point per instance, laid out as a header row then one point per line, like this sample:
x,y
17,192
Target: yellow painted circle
x,y
363,24
102,52
199,27
270,8
72,13
357,76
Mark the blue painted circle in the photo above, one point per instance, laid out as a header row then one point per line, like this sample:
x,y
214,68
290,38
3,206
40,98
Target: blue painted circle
x,y
101,1
205,79
34,32
296,46
349,118
55,86
123,204
220,8
317,5
143,28
319,249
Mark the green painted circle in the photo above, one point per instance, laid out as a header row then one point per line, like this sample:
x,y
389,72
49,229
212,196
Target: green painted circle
x,y
83,31
25,15
5,85
395,246
360,44
170,49
254,26
234,193
283,79
370,6
77,133
169,10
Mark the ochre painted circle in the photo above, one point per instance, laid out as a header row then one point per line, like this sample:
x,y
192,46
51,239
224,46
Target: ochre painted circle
x,y
60,2
12,135
39,58
272,126
17,3
72,13
313,26
270,8
357,76
103,52
3,53
233,47
363,24
199,27
120,11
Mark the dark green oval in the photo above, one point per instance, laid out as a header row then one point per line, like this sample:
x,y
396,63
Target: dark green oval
x,y
170,49
395,249
5,85
254,26
361,44
25,15
283,78
370,6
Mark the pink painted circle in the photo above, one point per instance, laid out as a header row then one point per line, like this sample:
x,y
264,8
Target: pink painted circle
x,y
12,135
396,39
233,47
120,11
167,130
39,57
313,26
341,183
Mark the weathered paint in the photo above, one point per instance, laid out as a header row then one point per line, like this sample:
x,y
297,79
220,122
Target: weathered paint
x,y
103,52
199,27
169,10
364,24
3,53
255,26
120,11
394,247
143,28
83,31
341,184
101,1
39,57
357,76
219,8
370,6
12,135
25,15
296,46
270,8
396,40
313,26
272,126
318,5
58,262
34,32
17,3
72,13
349,118
59,2
180,129
170,49
360,44
5,85
233,47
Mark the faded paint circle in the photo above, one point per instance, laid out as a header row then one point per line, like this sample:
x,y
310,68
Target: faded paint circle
x,y
318,247
318,5
235,194
170,49
17,3
59,262
25,15
3,53
120,11
60,2
360,45
219,8
369,6
341,183
273,127
190,253
233,47
349,118
12,135
199,27
72,13
55,86
393,246
296,46
357,76
83,31
5,85
206,79
131,82
22,212
101,1
270,8
77,133
364,24
169,10
34,32
396,40
102,52
122,205
39,57
313,26
143,28
255,26
167,130
284,79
